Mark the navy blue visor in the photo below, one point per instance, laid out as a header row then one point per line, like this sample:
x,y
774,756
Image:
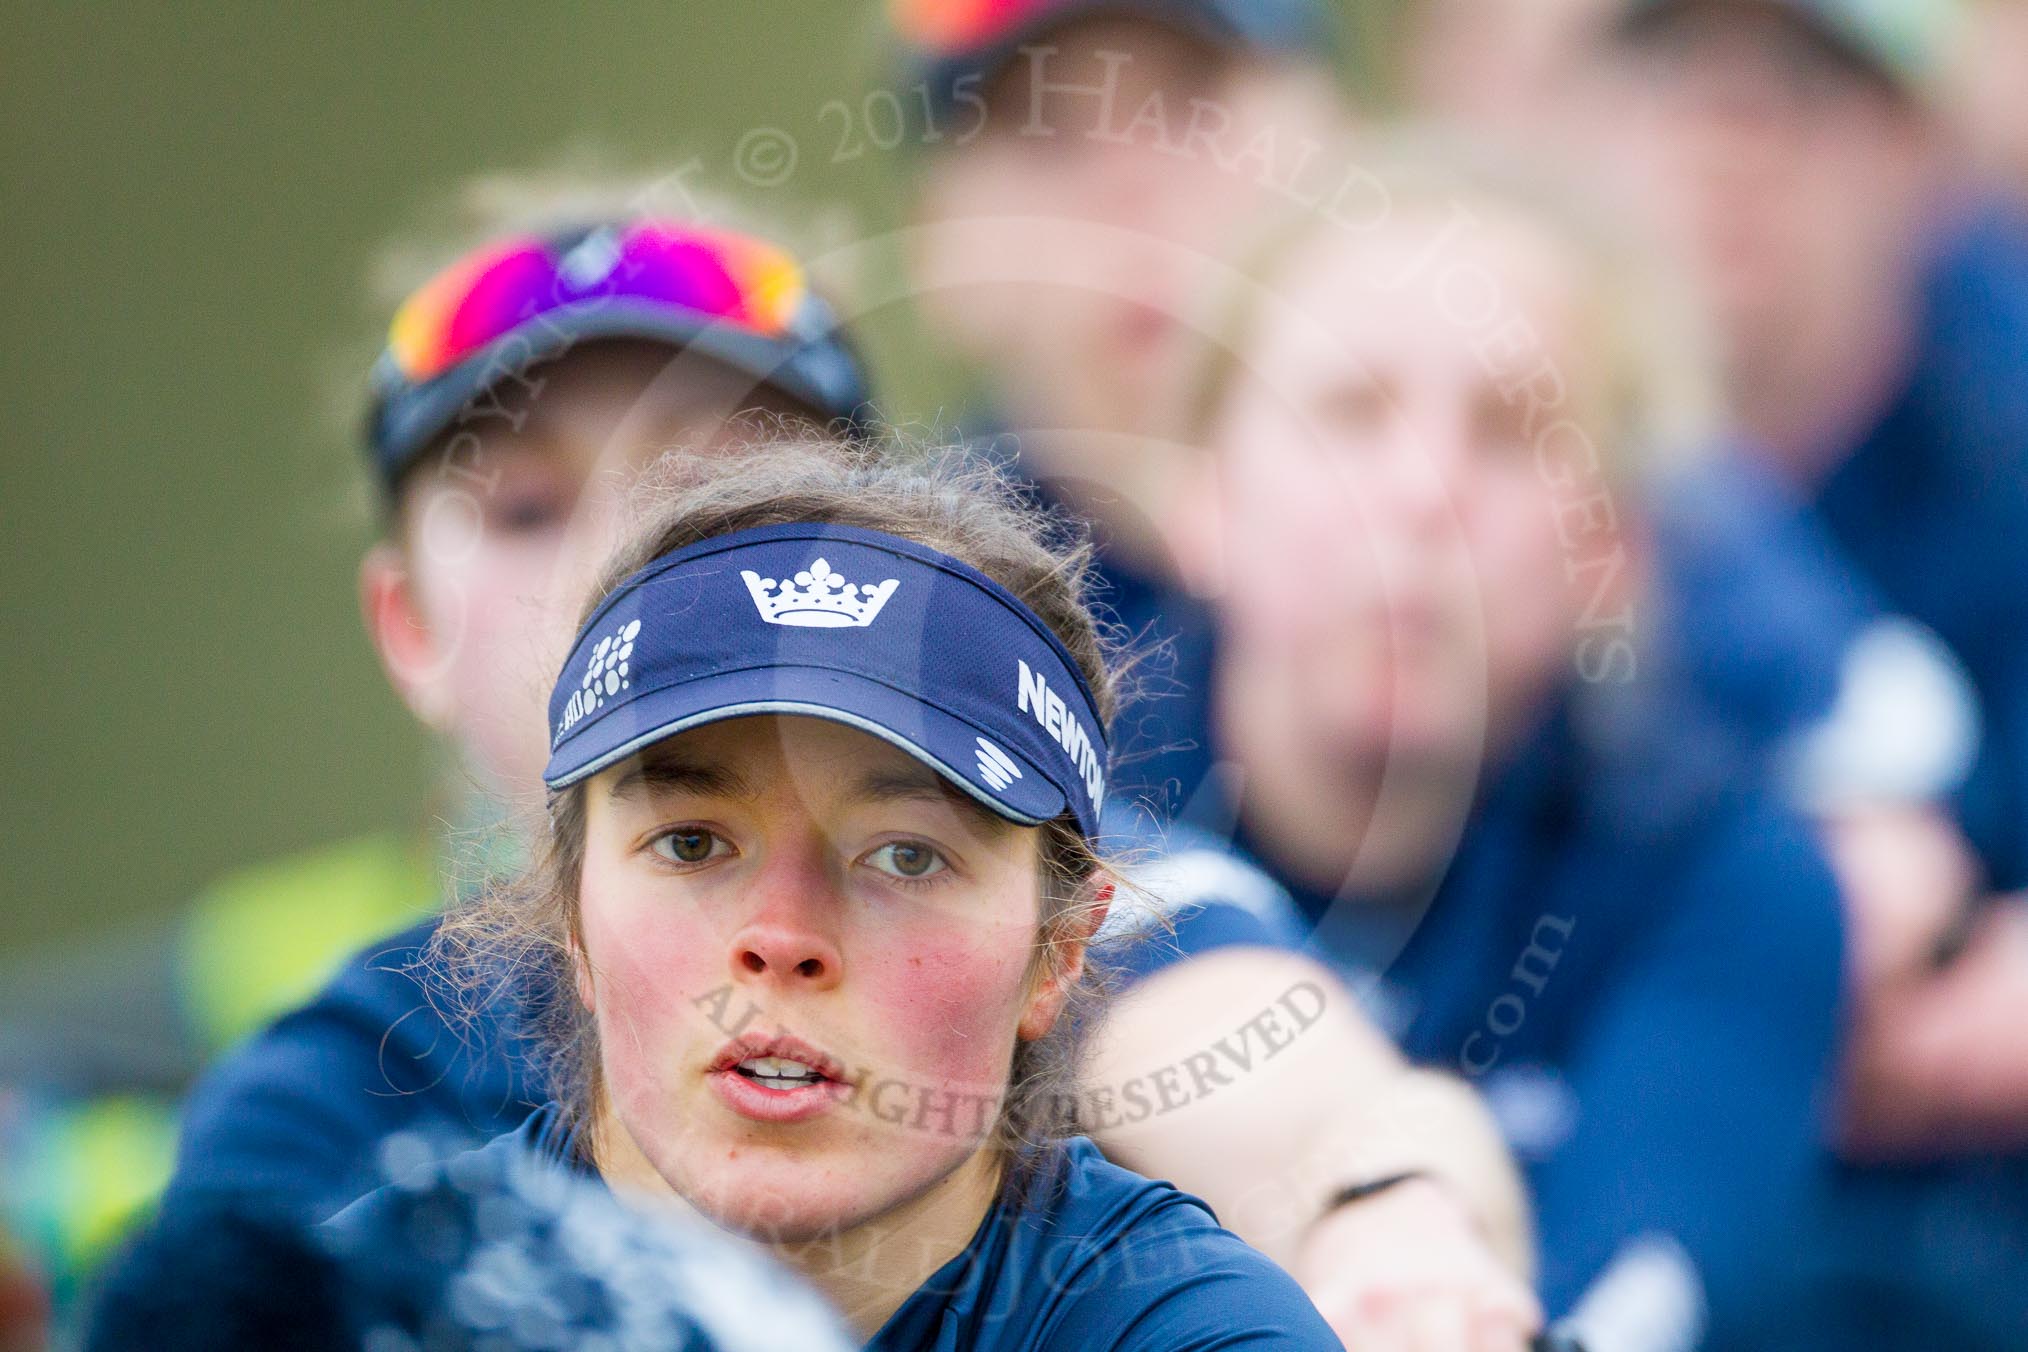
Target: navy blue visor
x,y
862,628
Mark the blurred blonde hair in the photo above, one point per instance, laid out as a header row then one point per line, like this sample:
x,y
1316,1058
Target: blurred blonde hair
x,y
1648,354
573,186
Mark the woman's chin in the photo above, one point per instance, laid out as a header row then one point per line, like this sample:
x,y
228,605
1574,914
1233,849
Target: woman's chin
x,y
777,1198
787,1206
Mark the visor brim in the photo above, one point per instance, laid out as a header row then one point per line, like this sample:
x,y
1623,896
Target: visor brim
x,y
948,745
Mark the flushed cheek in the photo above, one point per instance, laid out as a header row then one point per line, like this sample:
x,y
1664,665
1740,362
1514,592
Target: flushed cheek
x,y
945,1006
652,999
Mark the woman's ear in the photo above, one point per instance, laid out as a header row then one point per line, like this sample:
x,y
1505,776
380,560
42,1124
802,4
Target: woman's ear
x,y
407,645
1063,967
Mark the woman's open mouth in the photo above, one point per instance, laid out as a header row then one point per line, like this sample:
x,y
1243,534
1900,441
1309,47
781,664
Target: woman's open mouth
x,y
778,1072
776,1080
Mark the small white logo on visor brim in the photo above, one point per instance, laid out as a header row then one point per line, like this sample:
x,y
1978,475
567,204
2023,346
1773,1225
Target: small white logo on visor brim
x,y
996,767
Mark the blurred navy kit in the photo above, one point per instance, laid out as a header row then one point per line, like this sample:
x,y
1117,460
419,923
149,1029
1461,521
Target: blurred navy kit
x,y
1449,776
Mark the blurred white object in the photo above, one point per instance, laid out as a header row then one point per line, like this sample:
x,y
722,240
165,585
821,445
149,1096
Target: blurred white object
x,y
1905,728
1648,1299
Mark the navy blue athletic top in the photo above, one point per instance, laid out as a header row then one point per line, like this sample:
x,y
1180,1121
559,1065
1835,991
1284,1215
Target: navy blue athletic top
x,y
1636,955
1088,1255
1932,507
1755,605
297,1113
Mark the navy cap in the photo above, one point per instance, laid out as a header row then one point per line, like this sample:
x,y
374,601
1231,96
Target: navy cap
x,y
940,50
1907,41
855,626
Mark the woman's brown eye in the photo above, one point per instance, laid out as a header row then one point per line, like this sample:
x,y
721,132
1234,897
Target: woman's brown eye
x,y
907,859
686,847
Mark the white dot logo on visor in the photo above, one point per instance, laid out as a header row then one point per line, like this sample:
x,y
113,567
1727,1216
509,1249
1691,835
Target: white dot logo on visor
x,y
605,675
818,598
996,767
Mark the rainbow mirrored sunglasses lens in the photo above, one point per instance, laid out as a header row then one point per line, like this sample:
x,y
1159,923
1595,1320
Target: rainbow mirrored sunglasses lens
x,y
946,26
703,274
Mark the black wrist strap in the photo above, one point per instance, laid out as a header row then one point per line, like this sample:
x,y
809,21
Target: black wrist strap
x,y
1359,1192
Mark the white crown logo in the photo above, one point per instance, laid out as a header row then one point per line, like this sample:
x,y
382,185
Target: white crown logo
x,y
818,598
996,767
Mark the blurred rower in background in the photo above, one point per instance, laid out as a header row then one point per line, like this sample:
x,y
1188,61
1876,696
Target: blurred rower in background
x,y
492,491
1445,698
1874,303
1089,167
455,596
1868,287
1873,313
1091,160
520,389
1782,632
1869,720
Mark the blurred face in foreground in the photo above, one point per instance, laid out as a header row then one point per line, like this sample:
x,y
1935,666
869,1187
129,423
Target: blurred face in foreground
x,y
472,605
1795,182
809,960
1419,539
1065,239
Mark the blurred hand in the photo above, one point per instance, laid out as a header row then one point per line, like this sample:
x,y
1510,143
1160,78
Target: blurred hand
x,y
1937,1066
1407,1270
1905,874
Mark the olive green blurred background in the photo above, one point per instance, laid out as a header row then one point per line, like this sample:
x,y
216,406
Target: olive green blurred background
x,y
192,200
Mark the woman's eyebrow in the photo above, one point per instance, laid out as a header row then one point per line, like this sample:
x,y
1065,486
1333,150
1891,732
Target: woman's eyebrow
x,y
921,784
670,774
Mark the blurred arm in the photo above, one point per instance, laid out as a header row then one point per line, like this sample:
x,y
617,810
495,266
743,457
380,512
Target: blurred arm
x,y
1933,1065
1267,1090
1937,1065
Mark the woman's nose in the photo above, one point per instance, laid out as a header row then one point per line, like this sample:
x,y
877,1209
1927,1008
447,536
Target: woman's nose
x,y
787,936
